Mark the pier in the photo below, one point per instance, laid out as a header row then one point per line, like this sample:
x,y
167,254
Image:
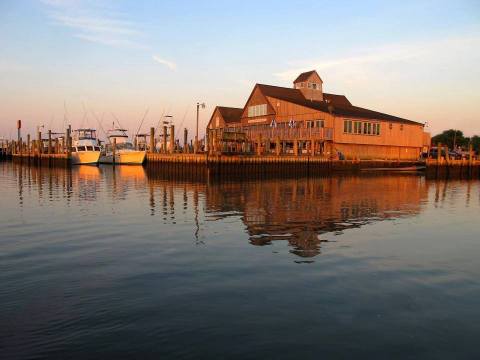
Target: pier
x,y
254,159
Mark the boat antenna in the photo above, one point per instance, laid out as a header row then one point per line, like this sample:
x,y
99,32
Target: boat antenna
x,y
141,123
65,120
84,114
183,120
159,120
118,121
99,121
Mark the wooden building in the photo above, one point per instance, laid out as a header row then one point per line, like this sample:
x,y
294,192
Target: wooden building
x,y
304,120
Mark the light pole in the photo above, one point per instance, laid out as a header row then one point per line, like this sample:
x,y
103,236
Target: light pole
x,y
195,150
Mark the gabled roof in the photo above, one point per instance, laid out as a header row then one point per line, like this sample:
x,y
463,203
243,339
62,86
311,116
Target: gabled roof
x,y
305,76
335,99
230,114
337,104
292,95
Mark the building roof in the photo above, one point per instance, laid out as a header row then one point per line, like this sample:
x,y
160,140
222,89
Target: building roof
x,y
230,114
335,104
337,99
305,76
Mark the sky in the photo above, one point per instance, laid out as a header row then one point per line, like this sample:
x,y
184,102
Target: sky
x,y
86,62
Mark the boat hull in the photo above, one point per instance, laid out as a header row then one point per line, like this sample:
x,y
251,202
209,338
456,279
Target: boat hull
x,y
125,158
85,157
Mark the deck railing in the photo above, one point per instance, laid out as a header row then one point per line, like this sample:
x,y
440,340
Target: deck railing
x,y
284,133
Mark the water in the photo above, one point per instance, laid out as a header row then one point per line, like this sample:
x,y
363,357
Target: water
x,y
103,263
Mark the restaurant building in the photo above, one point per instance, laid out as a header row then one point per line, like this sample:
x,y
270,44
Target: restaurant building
x,y
305,120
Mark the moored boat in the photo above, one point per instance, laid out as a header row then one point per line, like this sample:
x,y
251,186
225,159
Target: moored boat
x,y
85,147
124,153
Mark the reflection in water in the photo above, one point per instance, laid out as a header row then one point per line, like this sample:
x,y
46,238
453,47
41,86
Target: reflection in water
x,y
300,210
97,262
296,210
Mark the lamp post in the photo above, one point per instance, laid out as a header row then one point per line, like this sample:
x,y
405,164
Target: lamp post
x,y
196,135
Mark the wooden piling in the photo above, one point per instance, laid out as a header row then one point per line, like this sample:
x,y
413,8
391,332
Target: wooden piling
x,y
114,150
164,150
152,140
49,141
172,139
185,139
39,142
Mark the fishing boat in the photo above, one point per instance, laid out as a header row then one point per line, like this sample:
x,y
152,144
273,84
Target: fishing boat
x,y
85,147
125,152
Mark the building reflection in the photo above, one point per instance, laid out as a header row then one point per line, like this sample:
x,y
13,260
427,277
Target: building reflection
x,y
300,211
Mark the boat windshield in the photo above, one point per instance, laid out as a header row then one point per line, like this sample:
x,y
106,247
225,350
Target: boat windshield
x,y
85,134
122,146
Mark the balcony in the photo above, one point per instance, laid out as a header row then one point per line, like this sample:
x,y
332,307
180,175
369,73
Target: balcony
x,y
285,133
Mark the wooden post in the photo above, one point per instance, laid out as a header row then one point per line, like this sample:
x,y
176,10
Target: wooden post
x,y
49,141
470,155
39,142
439,152
278,149
259,145
172,139
152,140
57,150
295,147
114,149
185,141
28,144
135,143
215,142
68,142
164,139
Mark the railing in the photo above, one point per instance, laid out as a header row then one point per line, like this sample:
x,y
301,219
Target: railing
x,y
290,133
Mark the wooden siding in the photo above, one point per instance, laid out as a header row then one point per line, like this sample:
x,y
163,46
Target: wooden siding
x,y
257,98
410,136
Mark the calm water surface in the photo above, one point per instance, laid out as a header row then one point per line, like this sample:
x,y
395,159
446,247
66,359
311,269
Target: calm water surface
x,y
104,263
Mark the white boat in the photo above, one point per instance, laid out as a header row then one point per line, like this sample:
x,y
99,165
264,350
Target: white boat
x,y
125,152
85,147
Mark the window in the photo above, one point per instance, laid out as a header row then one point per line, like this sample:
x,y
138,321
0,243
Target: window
x,y
257,110
309,124
309,85
390,126
314,86
357,129
365,128
347,126
401,126
89,148
369,126
319,123
376,129
97,148
81,148
73,149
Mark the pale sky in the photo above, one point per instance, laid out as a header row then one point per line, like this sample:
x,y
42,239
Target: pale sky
x,y
79,59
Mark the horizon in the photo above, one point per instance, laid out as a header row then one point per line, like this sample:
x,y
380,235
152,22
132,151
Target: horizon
x,y
64,58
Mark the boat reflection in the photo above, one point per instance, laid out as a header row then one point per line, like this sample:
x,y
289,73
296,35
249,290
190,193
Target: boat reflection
x,y
300,211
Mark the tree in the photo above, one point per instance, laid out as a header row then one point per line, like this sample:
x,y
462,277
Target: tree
x,y
475,143
451,138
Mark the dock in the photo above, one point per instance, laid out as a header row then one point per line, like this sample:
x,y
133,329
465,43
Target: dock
x,y
181,161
